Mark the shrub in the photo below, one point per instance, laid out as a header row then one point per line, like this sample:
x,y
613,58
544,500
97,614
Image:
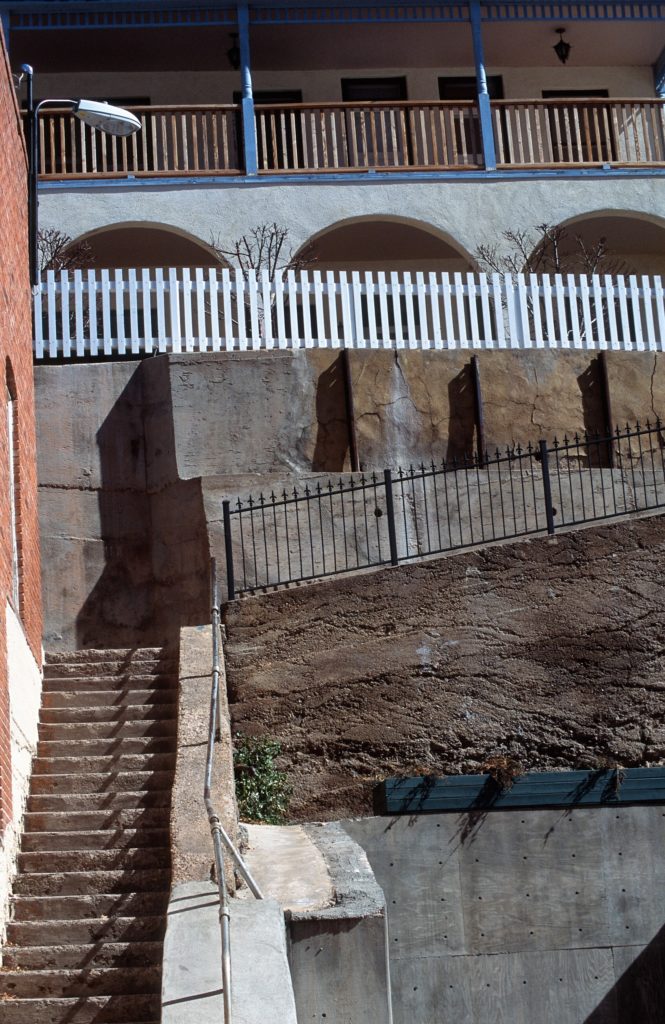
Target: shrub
x,y
262,790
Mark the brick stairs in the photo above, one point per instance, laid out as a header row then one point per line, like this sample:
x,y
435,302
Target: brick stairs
x,y
85,940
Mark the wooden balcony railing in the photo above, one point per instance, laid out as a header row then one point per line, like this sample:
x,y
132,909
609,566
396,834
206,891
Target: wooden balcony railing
x,y
173,141
362,136
339,137
579,132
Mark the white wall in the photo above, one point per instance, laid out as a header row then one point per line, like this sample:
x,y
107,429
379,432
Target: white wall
x,y
468,212
25,687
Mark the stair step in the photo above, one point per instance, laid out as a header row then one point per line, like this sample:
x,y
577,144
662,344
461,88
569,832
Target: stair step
x,y
115,762
74,908
97,839
94,860
108,713
104,929
101,782
113,817
106,698
109,747
130,800
137,1009
106,730
153,678
78,883
70,957
110,667
99,653
96,981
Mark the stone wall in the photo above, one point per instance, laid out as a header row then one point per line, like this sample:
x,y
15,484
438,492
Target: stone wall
x,y
550,649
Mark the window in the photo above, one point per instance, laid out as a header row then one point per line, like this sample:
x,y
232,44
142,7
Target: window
x,y
13,492
374,90
465,87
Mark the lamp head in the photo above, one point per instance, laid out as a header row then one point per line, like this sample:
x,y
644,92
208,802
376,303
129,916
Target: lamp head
x,y
562,48
107,118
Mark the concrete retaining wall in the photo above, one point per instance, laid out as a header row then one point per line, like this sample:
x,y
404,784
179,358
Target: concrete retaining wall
x,y
523,916
135,458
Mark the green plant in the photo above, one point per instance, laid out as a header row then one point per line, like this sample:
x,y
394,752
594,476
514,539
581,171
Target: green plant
x,y
262,791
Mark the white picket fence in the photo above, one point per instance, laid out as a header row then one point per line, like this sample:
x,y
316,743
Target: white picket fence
x,y
135,312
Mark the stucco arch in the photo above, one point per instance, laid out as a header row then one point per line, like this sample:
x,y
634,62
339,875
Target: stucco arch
x,y
147,244
385,242
635,239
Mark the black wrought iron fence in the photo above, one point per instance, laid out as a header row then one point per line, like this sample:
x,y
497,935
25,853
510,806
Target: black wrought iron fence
x,y
361,521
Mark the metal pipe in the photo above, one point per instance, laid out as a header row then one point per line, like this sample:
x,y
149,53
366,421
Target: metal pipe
x,y
219,836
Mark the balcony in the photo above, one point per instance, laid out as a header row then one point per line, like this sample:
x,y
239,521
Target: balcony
x,y
338,138
116,313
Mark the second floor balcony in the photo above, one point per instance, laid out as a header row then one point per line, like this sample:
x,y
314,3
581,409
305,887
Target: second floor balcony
x,y
337,138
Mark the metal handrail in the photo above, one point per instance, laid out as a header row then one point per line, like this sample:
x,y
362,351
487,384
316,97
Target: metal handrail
x,y
219,834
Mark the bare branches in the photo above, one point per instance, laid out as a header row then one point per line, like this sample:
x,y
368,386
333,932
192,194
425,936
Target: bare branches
x,y
552,251
56,251
265,247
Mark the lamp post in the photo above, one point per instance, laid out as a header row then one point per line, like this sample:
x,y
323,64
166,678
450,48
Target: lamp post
x,y
104,116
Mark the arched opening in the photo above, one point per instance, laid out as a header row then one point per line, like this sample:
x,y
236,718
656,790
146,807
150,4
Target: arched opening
x,y
144,245
385,244
613,242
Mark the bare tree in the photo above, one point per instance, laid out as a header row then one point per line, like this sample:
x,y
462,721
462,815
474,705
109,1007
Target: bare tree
x,y
58,252
264,248
552,251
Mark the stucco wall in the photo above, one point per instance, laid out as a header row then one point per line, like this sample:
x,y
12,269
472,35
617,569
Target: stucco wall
x,y
551,650
24,677
467,212
324,84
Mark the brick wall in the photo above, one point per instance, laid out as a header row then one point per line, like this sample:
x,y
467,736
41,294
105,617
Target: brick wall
x,y
15,352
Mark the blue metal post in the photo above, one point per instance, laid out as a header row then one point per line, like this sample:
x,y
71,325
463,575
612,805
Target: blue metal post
x,y
4,21
248,120
659,75
484,111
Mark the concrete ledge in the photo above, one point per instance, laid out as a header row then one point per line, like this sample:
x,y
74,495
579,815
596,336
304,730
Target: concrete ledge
x,y
338,954
191,984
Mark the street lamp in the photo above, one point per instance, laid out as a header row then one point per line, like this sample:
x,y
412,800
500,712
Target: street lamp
x,y
103,116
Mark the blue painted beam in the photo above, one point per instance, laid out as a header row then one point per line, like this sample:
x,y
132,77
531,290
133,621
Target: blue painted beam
x,y
56,14
4,22
568,790
371,178
484,110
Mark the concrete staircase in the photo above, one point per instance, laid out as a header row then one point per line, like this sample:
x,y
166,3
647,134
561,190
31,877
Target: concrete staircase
x,y
85,941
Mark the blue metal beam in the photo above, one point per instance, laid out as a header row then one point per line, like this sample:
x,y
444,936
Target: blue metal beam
x,y
248,119
58,14
484,111
370,178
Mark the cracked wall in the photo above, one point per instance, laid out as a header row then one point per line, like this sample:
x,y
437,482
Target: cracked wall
x,y
549,650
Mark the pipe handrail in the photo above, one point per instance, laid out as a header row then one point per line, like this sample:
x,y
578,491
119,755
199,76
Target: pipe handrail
x,y
219,834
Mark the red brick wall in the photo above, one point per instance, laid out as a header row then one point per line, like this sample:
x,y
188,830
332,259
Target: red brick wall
x,y
15,349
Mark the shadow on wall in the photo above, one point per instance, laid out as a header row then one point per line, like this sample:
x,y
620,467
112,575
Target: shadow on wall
x,y
331,450
461,417
637,996
151,524
594,414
